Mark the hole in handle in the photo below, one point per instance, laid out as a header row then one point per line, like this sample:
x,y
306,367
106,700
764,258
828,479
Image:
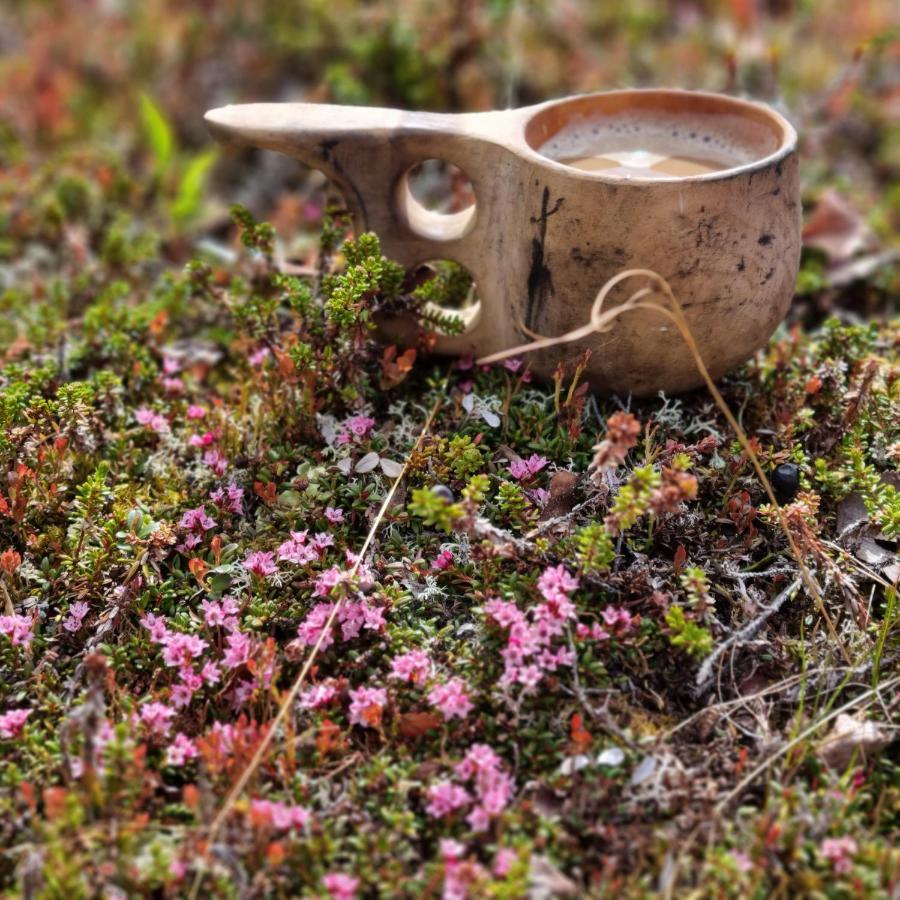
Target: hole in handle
x,y
437,200
449,292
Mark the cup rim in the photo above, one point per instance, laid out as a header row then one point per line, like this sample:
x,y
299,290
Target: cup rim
x,y
757,110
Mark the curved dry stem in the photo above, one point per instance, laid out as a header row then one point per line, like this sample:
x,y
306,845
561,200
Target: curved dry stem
x,y
600,321
288,702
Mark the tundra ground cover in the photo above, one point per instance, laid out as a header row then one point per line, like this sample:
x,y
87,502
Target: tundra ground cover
x,y
578,658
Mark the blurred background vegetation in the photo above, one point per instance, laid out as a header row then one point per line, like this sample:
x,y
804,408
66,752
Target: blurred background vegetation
x,y
131,80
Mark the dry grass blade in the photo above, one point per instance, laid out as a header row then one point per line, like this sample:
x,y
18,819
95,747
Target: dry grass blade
x,y
288,702
600,321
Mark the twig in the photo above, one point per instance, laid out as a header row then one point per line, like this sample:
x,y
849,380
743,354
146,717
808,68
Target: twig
x,y
288,702
704,673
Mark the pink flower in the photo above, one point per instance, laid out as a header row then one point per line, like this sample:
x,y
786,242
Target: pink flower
x,y
216,614
317,696
327,580
195,412
450,699
18,629
77,612
180,750
12,722
240,649
555,582
230,498
414,666
356,427
259,357
504,612
341,886
152,420
172,385
261,562
366,706
216,461
512,365
335,516
442,561
202,440
617,619
523,469
196,520
504,861
445,798
156,625
180,648
297,551
211,673
157,718
839,851
314,624
279,815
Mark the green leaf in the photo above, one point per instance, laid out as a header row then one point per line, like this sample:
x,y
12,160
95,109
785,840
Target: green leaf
x,y
157,130
190,186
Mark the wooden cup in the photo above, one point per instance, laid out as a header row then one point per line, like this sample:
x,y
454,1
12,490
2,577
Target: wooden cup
x,y
543,237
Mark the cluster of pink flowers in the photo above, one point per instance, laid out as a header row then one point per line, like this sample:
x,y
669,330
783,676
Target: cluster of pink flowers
x,y
352,615
413,667
341,886
229,498
367,705
442,561
279,815
181,649
462,875
355,428
524,469
451,699
194,411
153,420
318,695
261,562
169,380
180,750
334,515
77,612
12,722
207,439
486,789
300,550
839,852
531,650
196,520
619,622
19,629
156,718
217,461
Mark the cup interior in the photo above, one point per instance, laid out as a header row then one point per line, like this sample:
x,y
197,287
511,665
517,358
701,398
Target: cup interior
x,y
728,132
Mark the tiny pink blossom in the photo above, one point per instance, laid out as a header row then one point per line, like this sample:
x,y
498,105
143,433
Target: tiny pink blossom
x,y
216,461
445,798
839,851
211,673
195,412
196,520
19,629
504,861
12,722
317,696
207,439
523,469
280,815
259,356
451,699
556,582
240,649
414,667
261,562
157,718
366,705
77,613
153,420
512,365
341,886
442,561
334,515
180,750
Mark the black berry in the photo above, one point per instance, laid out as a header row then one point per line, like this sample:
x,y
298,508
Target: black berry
x,y
786,481
441,490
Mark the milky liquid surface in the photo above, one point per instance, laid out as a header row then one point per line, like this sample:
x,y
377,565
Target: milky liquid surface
x,y
651,144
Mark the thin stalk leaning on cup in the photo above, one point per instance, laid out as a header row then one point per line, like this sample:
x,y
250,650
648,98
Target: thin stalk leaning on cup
x,y
600,321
